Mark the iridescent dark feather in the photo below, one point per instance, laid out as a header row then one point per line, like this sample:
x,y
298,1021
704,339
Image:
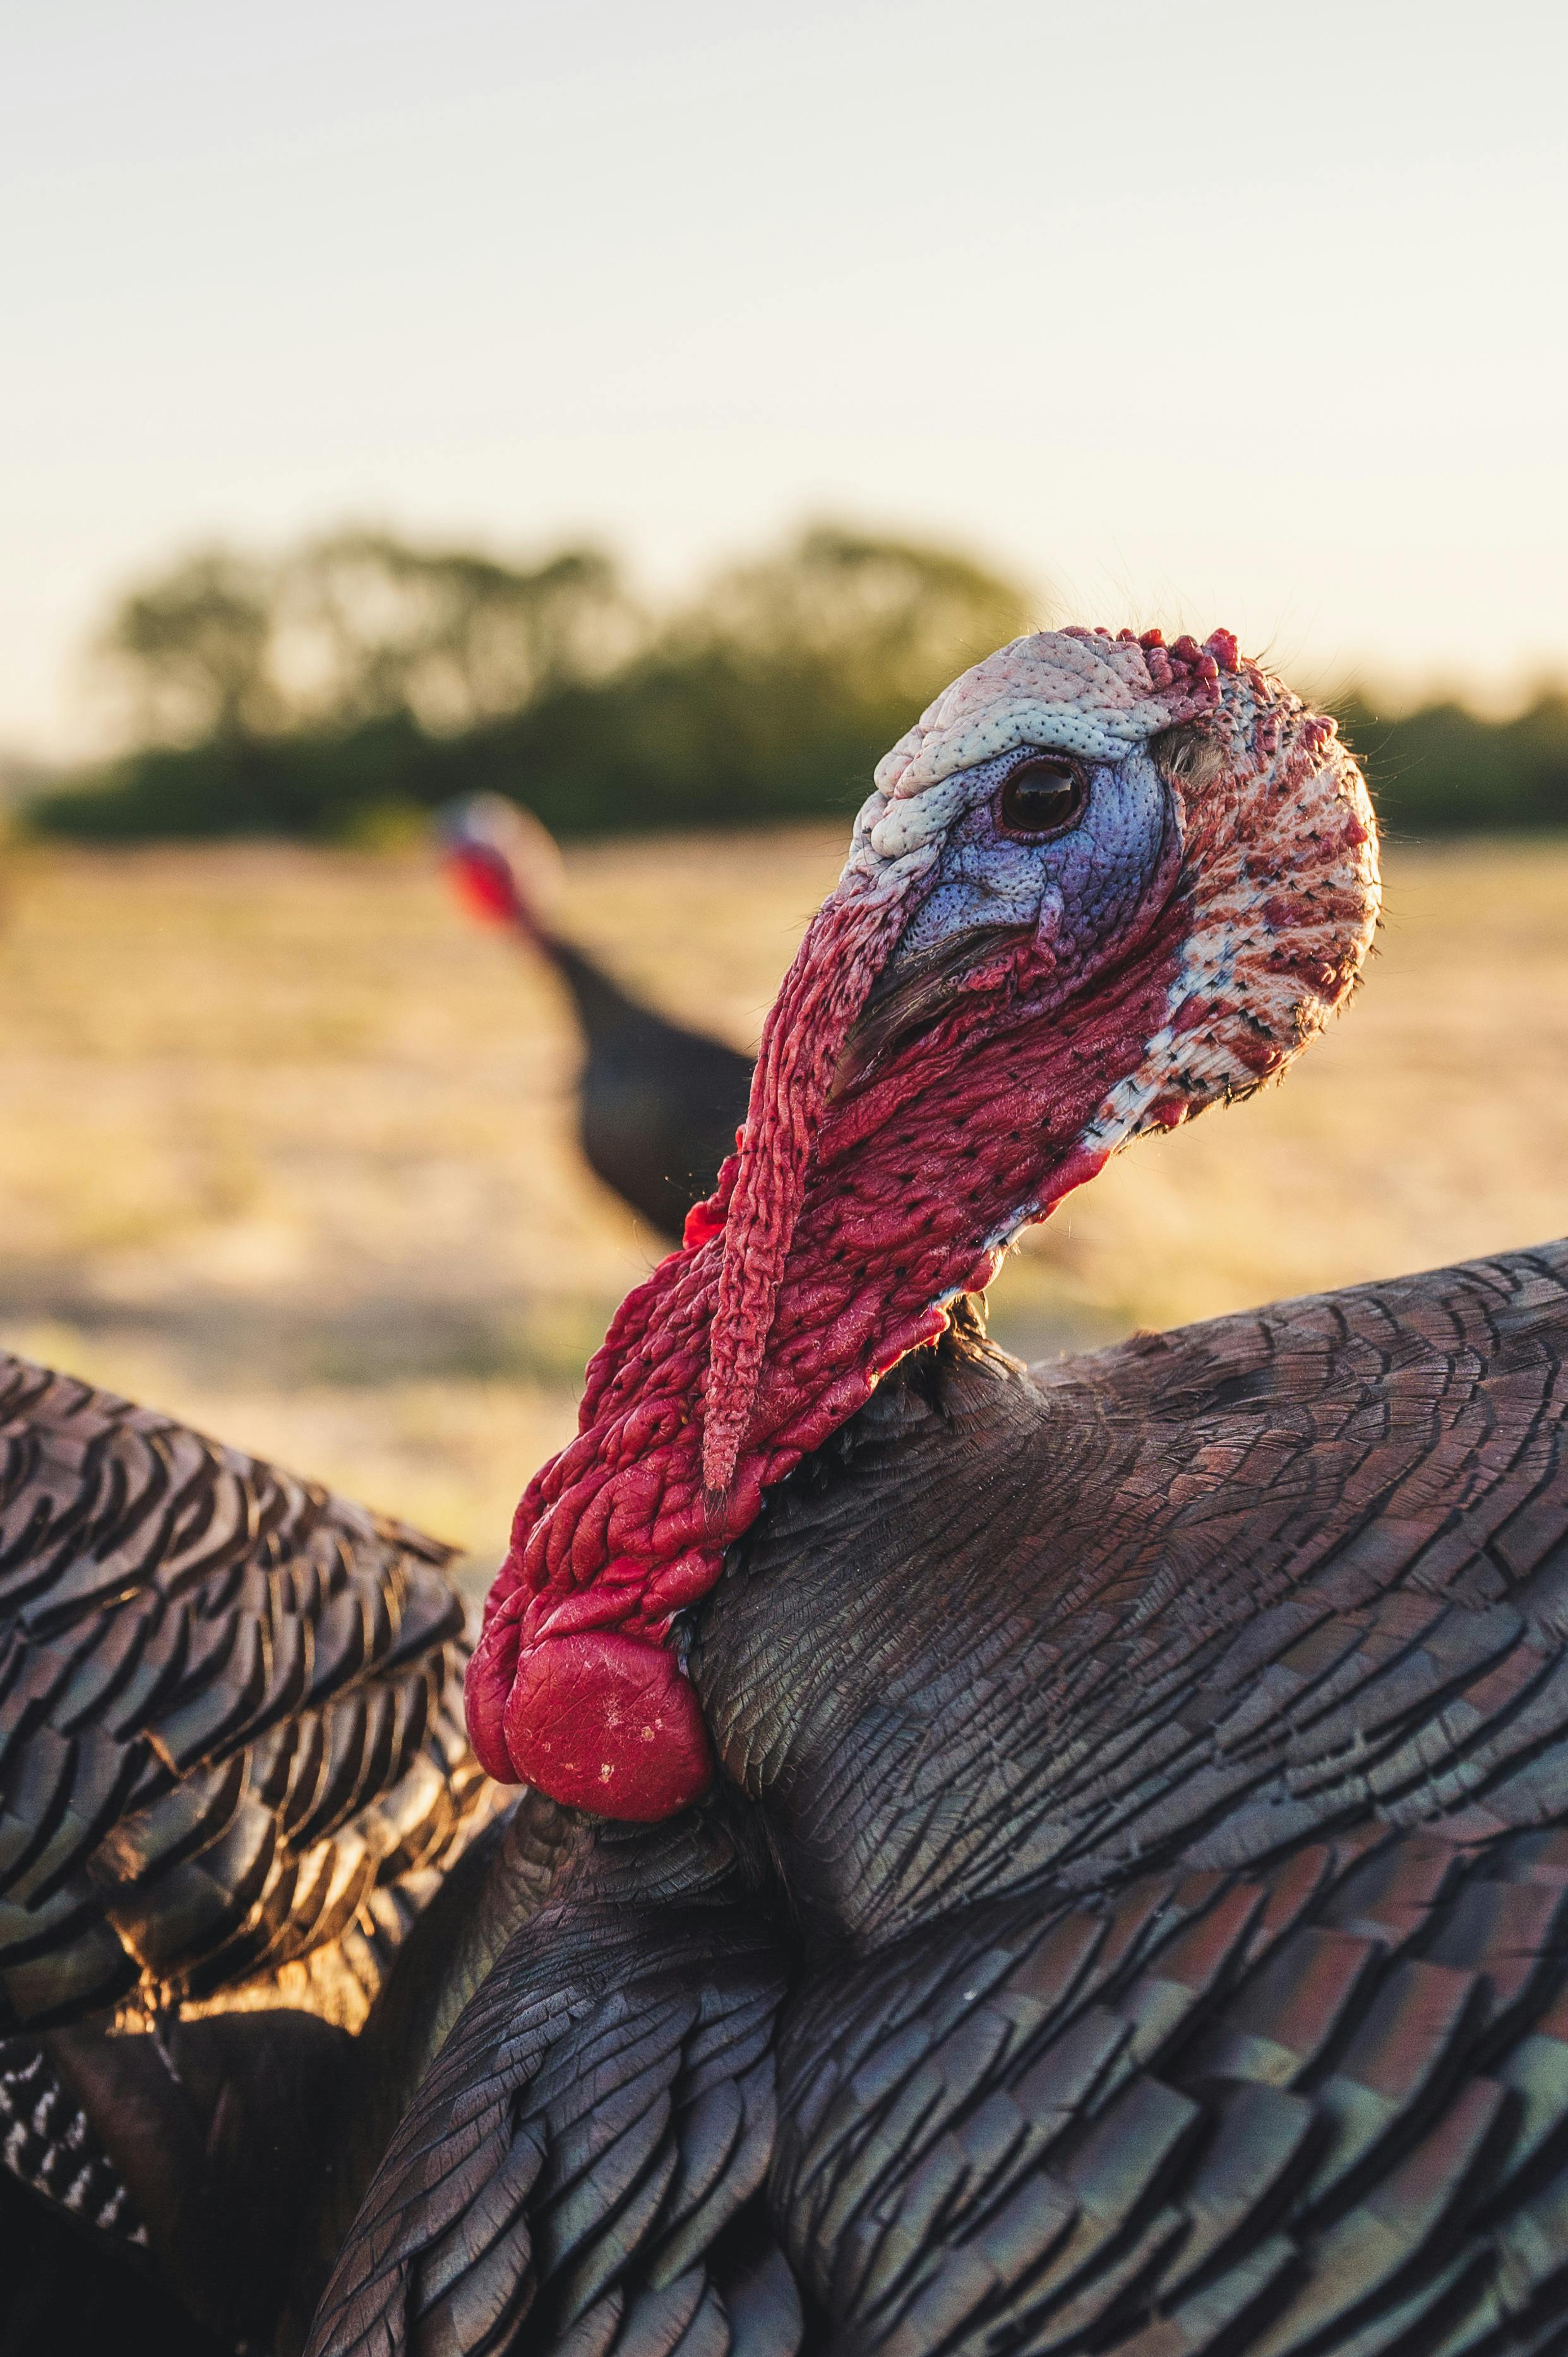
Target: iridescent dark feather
x,y
230,1708
1270,2111
1171,1755
583,2168
1203,1598
231,1767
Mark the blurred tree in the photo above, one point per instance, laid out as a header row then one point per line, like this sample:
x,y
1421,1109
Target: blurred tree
x,y
890,620
358,627
192,650
1444,770
363,674
389,677
368,626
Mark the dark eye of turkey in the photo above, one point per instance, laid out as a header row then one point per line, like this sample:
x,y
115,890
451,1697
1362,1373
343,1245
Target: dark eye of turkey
x,y
1041,798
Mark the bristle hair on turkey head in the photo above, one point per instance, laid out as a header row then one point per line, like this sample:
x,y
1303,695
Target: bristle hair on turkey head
x,y
1102,883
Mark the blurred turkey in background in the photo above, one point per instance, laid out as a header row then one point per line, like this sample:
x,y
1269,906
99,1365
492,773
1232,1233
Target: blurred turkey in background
x,y
659,1104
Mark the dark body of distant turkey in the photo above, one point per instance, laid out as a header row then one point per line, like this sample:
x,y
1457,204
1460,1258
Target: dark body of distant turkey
x,y
658,1104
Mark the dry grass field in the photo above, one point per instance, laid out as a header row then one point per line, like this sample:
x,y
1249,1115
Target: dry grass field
x,y
284,1146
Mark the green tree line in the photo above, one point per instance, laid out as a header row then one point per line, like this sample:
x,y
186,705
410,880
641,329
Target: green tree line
x,y
360,680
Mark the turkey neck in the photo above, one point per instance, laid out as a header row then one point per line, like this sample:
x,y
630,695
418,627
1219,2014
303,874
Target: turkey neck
x,y
866,1678
913,1180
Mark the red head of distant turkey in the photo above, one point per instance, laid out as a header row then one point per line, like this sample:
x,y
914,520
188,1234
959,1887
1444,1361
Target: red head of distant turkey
x,y
1102,883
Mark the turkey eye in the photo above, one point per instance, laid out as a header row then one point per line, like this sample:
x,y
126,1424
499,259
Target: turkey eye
x,y
1041,797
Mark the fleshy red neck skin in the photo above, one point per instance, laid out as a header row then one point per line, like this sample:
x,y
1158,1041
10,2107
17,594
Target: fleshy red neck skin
x,y
915,1181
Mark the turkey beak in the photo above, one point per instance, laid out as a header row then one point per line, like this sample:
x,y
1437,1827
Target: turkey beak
x,y
914,991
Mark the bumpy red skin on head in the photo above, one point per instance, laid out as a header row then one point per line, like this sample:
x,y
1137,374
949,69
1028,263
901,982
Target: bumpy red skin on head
x,y
908,1180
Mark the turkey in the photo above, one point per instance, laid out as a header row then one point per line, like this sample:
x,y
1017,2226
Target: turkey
x,y
232,1770
1070,1860
658,1106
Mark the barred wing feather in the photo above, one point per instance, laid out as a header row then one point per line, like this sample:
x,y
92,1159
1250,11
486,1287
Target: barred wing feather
x,y
230,1701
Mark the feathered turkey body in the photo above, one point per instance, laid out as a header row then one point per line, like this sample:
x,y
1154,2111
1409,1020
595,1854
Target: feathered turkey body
x,y
232,1768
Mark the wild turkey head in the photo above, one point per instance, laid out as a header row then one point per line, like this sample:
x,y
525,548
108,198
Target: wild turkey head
x,y
1102,883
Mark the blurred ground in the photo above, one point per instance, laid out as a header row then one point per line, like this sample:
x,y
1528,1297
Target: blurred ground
x,y
285,1145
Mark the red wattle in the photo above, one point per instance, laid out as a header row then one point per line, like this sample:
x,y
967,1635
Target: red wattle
x,y
604,1721
703,1224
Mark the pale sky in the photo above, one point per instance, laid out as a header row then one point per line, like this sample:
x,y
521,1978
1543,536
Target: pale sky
x,y
1253,314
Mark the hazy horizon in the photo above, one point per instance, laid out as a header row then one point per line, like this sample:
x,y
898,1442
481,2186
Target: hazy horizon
x,y
1191,317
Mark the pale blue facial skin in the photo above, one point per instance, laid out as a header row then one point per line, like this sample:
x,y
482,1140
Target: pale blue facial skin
x,y
1078,889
